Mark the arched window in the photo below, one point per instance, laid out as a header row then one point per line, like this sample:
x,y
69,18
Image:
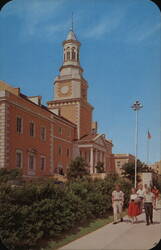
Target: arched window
x,y
73,54
77,55
68,55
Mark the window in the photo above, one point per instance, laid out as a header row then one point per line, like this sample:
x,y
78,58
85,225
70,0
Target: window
x,y
31,161
19,125
32,129
77,55
43,133
19,159
42,162
68,55
68,152
60,131
118,163
59,150
73,54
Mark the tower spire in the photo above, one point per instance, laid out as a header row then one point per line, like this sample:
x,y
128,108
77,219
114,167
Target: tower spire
x,y
71,35
72,23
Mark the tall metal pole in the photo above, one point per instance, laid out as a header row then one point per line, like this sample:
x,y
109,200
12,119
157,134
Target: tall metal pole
x,y
147,151
136,106
136,147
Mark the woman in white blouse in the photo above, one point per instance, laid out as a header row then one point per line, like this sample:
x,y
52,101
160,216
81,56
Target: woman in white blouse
x,y
133,209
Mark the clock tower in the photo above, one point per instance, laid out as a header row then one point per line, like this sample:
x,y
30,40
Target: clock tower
x,y
70,88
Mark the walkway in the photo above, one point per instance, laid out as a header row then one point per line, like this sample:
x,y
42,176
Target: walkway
x,y
122,236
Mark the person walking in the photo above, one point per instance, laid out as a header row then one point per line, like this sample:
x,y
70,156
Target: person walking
x,y
140,193
134,208
155,191
117,203
145,187
148,205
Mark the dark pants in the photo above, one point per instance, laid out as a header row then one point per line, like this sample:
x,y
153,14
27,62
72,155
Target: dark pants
x,y
148,211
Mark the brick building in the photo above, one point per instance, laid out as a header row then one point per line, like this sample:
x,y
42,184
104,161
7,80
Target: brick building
x,y
43,140
31,136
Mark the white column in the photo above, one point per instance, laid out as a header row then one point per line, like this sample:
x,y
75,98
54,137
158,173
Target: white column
x,y
101,156
91,161
105,162
95,160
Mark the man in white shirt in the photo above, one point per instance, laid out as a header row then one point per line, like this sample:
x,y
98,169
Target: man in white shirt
x,y
148,205
117,203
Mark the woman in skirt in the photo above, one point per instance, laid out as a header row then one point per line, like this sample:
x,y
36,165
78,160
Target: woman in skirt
x,y
133,209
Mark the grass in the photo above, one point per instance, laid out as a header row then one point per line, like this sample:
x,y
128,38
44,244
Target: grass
x,y
91,227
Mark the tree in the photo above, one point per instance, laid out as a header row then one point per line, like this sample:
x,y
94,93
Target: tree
x,y
78,168
129,170
100,167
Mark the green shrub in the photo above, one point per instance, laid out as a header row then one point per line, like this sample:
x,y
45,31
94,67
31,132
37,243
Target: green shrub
x,y
78,169
38,211
10,174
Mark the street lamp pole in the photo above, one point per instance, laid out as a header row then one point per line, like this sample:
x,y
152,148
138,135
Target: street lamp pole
x,y
136,106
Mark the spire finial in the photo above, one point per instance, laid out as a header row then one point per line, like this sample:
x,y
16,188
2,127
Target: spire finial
x,y
72,22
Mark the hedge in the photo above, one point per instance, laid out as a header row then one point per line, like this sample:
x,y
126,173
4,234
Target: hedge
x,y
35,212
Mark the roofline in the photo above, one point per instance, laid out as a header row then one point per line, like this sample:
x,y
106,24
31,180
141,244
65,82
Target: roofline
x,y
71,65
123,155
43,107
68,100
71,41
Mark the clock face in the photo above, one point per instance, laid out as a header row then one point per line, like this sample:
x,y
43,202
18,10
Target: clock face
x,y
64,89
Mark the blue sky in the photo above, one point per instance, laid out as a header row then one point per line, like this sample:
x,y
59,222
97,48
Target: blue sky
x,y
120,54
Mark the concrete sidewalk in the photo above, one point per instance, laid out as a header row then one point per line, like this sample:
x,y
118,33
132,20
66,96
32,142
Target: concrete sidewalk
x,y
122,236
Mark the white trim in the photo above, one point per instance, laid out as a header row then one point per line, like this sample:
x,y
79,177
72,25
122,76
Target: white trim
x,y
85,146
97,137
94,146
78,123
91,161
62,139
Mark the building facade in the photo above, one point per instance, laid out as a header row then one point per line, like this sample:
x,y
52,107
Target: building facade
x,y
32,137
120,160
156,167
42,140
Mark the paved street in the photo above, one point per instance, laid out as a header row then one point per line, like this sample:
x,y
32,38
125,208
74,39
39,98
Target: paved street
x,y
122,236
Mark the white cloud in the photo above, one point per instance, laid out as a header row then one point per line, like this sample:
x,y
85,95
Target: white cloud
x,y
147,33
35,15
106,24
142,32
